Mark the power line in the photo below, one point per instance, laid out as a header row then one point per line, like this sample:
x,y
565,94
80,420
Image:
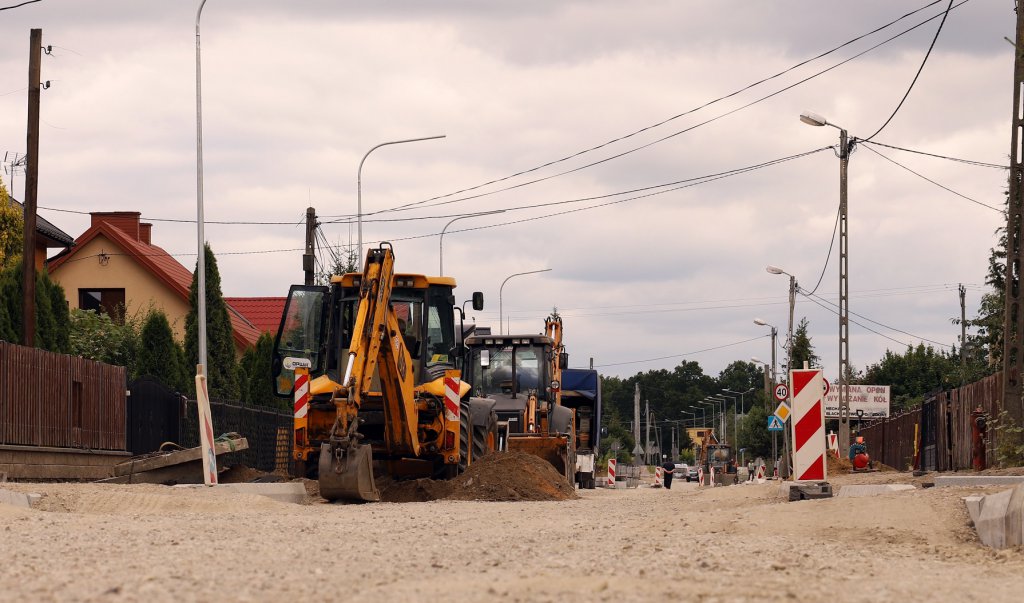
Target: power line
x,y
919,69
813,298
602,145
942,186
728,345
19,5
937,156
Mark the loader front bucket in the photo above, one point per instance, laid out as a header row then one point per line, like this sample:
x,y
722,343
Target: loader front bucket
x,y
553,449
347,473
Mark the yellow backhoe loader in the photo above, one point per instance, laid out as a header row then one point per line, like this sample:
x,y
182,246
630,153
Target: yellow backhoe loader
x,y
370,363
522,373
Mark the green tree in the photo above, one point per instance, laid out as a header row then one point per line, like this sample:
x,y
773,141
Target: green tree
x,y
222,369
754,433
98,336
343,261
801,348
255,369
914,374
51,311
12,228
159,354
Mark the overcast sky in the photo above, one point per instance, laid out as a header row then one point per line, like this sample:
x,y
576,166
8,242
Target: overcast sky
x,y
295,93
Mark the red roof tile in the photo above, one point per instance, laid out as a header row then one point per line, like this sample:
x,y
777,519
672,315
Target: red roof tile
x,y
263,312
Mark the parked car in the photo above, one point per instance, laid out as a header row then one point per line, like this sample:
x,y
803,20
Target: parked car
x,y
681,471
691,475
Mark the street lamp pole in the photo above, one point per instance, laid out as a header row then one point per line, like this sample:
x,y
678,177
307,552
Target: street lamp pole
x,y
844,282
501,319
201,260
440,241
359,189
784,470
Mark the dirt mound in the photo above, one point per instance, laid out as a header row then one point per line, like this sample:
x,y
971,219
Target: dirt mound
x,y
240,474
502,476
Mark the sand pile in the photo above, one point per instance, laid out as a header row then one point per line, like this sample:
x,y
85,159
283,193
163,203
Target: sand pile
x,y
502,476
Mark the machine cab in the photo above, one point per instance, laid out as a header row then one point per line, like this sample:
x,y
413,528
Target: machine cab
x,y
318,321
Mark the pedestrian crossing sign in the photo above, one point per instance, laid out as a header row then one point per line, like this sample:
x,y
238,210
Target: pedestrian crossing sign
x,y
774,424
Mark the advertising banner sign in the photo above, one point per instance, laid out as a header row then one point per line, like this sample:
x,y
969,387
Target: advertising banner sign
x,y
871,400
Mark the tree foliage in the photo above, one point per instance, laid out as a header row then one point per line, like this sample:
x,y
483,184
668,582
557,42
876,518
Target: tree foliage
x,y
101,337
257,385
913,374
51,310
12,228
801,348
160,356
222,369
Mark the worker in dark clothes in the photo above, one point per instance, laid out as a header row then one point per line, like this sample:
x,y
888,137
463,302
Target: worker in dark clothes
x,y
669,467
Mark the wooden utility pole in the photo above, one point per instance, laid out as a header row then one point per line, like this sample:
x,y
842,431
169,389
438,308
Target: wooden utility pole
x,y
28,287
307,257
1013,323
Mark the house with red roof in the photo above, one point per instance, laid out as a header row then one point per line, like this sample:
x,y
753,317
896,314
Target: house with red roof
x,y
115,263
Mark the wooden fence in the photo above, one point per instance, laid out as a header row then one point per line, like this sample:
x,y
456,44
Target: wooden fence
x,y
60,401
942,426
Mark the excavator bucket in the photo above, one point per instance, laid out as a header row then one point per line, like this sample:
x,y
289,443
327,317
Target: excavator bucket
x,y
347,473
553,449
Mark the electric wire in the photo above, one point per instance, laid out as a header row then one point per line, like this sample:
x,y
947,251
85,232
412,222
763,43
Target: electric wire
x,y
19,5
937,156
719,347
942,186
657,141
919,70
814,299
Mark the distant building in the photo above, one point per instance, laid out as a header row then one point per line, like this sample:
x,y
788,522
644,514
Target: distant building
x,y
48,237
114,263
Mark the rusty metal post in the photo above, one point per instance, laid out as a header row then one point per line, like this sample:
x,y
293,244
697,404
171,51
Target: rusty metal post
x,y
28,288
979,428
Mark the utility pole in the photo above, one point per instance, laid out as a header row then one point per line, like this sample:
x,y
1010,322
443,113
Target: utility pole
x,y
784,470
28,288
1013,329
844,297
963,334
637,449
307,257
647,436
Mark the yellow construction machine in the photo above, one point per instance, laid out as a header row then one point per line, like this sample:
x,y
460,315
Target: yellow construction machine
x,y
370,363
522,374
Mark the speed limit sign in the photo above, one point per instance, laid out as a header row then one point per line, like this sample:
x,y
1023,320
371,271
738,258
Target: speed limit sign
x,y
781,392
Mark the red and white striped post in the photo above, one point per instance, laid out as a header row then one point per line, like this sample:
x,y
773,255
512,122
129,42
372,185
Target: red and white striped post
x,y
808,425
659,479
611,472
700,476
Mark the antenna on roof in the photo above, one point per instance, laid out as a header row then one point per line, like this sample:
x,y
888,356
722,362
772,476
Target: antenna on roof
x,y
14,162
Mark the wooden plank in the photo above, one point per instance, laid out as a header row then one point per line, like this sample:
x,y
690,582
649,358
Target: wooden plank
x,y
23,471
176,457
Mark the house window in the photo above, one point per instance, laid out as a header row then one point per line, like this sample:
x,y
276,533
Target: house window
x,y
108,301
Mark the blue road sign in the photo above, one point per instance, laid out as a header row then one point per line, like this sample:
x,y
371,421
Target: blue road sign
x,y
774,423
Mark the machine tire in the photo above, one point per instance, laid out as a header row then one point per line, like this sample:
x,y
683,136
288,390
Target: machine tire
x,y
465,435
485,439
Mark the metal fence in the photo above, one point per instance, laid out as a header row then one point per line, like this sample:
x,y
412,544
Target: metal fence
x,y
60,401
267,430
937,435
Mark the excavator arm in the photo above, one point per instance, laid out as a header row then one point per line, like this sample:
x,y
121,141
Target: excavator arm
x,y
346,465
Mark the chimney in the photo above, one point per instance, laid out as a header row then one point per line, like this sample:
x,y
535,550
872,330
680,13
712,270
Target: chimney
x,y
145,233
126,221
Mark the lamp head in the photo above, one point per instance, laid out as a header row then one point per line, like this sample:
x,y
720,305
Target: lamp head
x,y
760,321
813,119
757,360
774,269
